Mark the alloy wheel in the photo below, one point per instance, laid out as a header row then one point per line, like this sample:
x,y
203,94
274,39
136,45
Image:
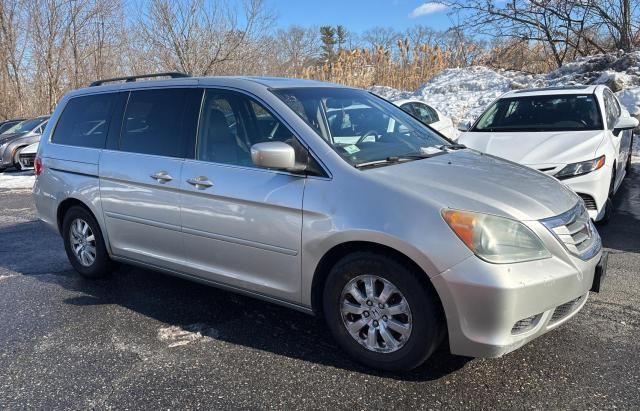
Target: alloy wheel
x,y
83,242
375,313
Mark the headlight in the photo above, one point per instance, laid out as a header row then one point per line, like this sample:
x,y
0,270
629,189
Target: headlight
x,y
495,239
578,169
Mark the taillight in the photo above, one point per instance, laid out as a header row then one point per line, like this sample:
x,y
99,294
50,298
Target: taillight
x,y
37,166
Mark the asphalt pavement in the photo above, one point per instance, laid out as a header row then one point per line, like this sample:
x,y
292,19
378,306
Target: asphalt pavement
x,y
145,340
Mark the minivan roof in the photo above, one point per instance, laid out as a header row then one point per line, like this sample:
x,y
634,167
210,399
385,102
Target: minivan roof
x,y
243,82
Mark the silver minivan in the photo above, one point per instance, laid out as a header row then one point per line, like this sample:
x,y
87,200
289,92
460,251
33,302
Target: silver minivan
x,y
281,189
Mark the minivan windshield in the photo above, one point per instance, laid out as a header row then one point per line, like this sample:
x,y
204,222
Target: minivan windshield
x,y
24,126
574,112
362,128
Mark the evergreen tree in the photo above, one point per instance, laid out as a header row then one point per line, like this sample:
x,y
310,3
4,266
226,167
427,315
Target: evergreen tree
x,y
328,38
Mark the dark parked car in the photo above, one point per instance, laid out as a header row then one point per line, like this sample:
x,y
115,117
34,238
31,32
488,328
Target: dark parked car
x,y
20,135
7,124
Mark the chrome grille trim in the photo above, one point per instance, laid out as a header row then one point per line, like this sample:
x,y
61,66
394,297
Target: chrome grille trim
x,y
575,230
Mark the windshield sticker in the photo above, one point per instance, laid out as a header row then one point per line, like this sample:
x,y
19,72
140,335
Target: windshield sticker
x,y
351,149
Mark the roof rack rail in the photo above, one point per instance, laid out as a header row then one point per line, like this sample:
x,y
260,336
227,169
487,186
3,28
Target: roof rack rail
x,y
130,79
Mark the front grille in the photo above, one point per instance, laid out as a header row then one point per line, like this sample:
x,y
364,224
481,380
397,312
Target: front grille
x,y
525,324
575,231
589,201
565,309
27,159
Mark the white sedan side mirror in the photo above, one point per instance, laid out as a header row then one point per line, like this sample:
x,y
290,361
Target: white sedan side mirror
x,y
625,123
464,125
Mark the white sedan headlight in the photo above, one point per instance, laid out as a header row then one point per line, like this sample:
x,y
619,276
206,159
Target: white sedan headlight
x,y
495,239
583,167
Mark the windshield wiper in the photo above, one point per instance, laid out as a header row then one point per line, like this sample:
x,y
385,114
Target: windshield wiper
x,y
396,159
452,146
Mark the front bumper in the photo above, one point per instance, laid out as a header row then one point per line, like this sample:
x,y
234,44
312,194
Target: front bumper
x,y
493,309
27,160
594,188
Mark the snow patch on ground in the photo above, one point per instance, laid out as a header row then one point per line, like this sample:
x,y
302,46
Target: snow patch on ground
x,y
463,93
4,277
188,334
17,181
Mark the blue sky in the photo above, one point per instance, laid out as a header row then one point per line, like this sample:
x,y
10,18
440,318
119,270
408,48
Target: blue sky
x,y
359,15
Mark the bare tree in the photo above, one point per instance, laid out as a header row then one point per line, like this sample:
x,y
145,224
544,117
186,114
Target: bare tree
x,y
566,28
201,37
13,40
386,37
423,35
296,48
618,18
553,23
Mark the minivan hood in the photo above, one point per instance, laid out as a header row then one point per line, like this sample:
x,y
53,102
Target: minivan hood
x,y
537,148
471,181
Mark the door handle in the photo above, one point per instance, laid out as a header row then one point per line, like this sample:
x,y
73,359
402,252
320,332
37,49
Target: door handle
x,y
200,183
161,176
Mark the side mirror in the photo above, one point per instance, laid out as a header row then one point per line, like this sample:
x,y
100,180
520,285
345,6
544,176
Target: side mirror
x,y
273,154
624,123
464,126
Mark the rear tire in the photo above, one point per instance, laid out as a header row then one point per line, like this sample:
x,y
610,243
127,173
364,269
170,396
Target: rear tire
x,y
379,337
84,243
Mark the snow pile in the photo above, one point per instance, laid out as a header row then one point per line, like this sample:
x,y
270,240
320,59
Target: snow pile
x,y
463,93
17,181
617,71
631,100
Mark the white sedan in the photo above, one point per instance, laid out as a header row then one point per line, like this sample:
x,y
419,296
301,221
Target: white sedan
x,y
429,116
578,134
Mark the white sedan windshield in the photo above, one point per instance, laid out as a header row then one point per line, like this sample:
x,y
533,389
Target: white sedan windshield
x,y
542,113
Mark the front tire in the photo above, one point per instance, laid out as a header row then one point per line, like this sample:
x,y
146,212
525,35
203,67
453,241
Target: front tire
x,y
608,207
16,162
84,243
381,312
628,165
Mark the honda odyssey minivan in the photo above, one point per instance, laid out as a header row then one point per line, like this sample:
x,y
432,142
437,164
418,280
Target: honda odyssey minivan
x,y
396,237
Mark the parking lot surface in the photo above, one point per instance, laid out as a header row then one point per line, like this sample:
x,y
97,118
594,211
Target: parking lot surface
x,y
141,339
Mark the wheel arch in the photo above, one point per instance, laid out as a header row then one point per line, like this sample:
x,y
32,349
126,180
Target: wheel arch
x,y
65,205
69,202
337,252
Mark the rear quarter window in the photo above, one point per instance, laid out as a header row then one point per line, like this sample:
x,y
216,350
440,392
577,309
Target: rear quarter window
x,y
85,121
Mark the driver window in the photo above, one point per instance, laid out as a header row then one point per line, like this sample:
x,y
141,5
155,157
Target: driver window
x,y
231,122
612,109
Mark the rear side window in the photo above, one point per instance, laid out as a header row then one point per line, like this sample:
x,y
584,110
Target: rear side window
x,y
161,122
425,113
85,121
